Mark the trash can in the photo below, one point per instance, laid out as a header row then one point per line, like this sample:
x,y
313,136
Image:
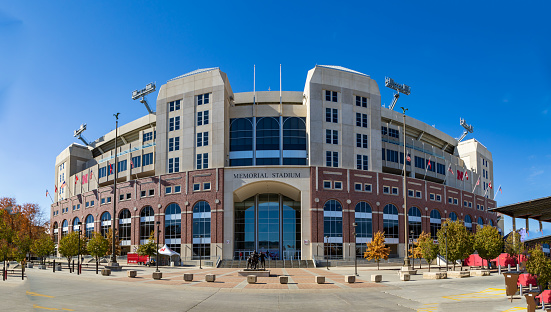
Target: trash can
x,y
531,304
511,279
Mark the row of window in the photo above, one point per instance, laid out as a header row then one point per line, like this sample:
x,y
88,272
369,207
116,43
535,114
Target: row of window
x,y
76,207
148,136
197,187
394,133
415,194
147,159
390,190
332,185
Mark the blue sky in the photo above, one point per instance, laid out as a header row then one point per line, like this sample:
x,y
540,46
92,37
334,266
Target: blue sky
x,y
63,63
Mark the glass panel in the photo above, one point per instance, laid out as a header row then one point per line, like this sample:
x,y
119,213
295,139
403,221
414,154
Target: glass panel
x,y
268,224
244,227
291,229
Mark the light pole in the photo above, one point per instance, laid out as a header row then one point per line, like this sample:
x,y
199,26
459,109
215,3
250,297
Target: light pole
x,y
446,239
355,255
78,259
157,261
113,254
325,252
404,191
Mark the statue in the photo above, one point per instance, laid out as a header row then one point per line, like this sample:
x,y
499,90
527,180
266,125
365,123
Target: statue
x,y
254,259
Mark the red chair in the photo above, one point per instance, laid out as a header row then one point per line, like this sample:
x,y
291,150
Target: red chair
x,y
545,296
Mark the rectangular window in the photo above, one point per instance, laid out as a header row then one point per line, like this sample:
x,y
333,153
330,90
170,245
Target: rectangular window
x,y
196,187
327,184
361,140
358,187
203,99
102,172
87,204
410,193
440,168
455,201
205,138
177,189
74,207
482,207
328,136
338,185
364,141
384,130
171,144
151,192
362,162
384,151
332,115
331,96
431,196
108,200
136,161
199,118
206,186
465,203
361,120
199,139
386,189
438,198
174,164
103,201
147,159
335,159
392,156
361,101
147,136
171,124
393,133
335,115
477,206
91,203
367,187
394,191
143,193
417,194
122,166
470,205
121,197
328,115
419,162
205,117
128,196
205,160
331,136
174,105
168,190
450,200
199,161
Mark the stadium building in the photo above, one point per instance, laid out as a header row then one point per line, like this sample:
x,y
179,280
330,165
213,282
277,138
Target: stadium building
x,y
288,173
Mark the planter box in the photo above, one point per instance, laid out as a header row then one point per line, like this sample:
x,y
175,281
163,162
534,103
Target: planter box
x,y
251,279
350,279
157,275
376,278
30,265
404,276
434,275
132,273
320,279
41,267
480,272
284,279
458,274
210,278
105,272
188,277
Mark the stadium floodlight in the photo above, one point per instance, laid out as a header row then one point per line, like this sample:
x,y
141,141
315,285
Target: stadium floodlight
x,y
399,88
78,134
468,129
136,94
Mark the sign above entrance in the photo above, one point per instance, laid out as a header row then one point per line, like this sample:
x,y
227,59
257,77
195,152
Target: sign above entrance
x,y
265,175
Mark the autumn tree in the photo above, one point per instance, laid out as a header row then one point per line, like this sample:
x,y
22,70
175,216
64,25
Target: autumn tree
x,y
149,248
513,246
117,242
68,246
488,243
429,250
459,241
415,252
97,247
43,247
376,249
540,265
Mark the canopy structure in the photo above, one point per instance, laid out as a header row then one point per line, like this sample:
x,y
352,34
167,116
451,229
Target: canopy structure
x,y
538,209
167,251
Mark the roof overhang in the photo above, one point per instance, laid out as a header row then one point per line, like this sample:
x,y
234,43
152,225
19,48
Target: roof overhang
x,y
539,209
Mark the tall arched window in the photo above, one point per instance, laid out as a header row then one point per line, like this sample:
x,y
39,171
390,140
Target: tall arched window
x,y
435,223
89,226
201,230
480,221
267,141
64,228
173,227
56,232
105,223
468,223
452,216
241,142
332,229
76,220
294,141
364,227
390,221
414,221
147,223
125,227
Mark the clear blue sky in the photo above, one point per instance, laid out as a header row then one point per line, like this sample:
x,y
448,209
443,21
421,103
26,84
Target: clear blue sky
x,y
63,63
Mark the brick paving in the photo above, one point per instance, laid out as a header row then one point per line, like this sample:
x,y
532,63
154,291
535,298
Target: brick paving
x,y
300,278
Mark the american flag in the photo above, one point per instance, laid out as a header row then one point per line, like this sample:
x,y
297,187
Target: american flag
x,y
62,185
408,158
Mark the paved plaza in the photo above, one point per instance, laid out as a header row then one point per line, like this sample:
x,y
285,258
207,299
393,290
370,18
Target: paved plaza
x,y
63,291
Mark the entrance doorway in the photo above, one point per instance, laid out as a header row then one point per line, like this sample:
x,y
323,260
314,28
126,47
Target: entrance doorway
x,y
268,223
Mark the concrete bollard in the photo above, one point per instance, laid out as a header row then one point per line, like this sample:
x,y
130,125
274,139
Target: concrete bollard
x,y
210,278
284,279
157,275
351,279
188,277
320,279
132,273
105,272
251,279
376,278
404,277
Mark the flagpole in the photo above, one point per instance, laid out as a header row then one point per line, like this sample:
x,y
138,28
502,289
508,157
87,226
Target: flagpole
x,y
50,196
427,167
495,195
476,184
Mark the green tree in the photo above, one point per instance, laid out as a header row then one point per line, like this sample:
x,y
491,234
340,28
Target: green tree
x,y
513,246
97,247
538,264
68,246
376,249
488,243
43,246
429,250
459,241
149,248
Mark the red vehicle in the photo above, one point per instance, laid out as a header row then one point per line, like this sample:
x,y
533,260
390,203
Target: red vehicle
x,y
135,258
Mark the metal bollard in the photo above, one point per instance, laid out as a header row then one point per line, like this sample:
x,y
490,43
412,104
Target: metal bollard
x,y
520,290
54,265
509,268
73,269
517,267
530,287
499,269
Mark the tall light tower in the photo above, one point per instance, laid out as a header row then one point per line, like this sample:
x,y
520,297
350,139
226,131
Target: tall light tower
x,y
399,88
468,129
407,265
136,94
113,264
78,134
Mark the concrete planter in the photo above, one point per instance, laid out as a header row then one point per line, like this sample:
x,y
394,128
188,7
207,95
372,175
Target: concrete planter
x,y
284,279
376,278
188,277
434,275
105,272
210,278
320,279
132,273
157,275
350,279
404,277
41,266
251,279
458,274
30,265
480,272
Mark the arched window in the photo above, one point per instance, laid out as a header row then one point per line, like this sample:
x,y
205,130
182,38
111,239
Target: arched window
x,y
147,223
332,229
201,230
294,141
64,228
267,139
173,227
76,220
89,226
124,227
468,223
105,223
414,221
435,223
241,135
364,227
56,232
390,221
452,216
480,221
